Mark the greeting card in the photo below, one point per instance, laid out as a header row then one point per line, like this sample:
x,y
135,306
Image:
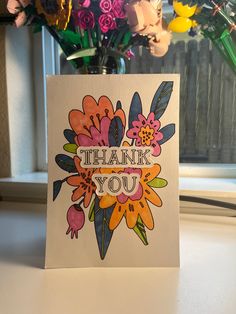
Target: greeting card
x,y
113,171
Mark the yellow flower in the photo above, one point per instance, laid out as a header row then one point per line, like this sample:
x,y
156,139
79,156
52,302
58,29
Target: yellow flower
x,y
61,17
136,205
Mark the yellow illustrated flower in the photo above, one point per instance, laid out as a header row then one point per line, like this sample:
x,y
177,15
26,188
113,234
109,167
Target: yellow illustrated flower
x,y
59,15
135,206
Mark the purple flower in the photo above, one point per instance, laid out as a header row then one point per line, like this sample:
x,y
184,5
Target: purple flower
x,y
84,3
118,9
85,19
107,22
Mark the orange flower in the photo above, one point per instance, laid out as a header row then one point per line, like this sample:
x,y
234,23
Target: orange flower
x,y
83,181
133,207
93,112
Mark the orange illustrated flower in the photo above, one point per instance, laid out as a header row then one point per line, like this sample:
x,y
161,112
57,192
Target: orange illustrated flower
x,y
85,187
131,207
92,114
57,13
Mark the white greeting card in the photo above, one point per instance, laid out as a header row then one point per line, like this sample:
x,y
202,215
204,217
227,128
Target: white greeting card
x,y
113,171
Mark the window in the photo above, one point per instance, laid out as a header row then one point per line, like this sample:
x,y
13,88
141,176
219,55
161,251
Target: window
x,y
207,100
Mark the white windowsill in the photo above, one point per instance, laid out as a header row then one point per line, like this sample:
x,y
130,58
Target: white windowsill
x,y
32,187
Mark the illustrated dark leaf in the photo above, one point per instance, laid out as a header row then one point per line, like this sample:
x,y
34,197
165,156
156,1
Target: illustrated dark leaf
x,y
116,132
135,109
168,131
56,188
66,163
118,105
70,136
139,229
161,99
101,223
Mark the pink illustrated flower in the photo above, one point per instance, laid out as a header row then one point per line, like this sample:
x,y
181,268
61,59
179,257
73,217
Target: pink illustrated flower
x,y
123,198
118,8
75,218
107,22
84,18
84,3
105,6
145,132
98,137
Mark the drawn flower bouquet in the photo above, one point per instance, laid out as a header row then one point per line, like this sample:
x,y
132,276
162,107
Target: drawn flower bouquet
x,y
112,166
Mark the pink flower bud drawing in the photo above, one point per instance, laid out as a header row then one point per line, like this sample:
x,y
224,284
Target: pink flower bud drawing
x,y
75,218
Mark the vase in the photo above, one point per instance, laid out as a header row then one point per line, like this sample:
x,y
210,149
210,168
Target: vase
x,y
107,65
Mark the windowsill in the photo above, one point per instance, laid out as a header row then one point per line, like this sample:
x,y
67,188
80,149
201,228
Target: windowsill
x,y
32,187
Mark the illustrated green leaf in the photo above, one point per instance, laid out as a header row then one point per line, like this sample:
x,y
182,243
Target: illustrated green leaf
x,y
56,188
139,229
66,163
161,99
101,223
158,183
70,148
91,212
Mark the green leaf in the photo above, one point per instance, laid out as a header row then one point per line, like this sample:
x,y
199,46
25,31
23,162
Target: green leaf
x,y
91,211
126,38
70,37
158,183
70,148
139,229
82,53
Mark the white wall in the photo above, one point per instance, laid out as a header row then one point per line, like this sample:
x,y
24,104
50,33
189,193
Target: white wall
x,y
20,93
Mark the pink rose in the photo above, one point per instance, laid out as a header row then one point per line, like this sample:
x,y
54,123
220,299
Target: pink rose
x,y
107,22
85,19
105,6
84,3
118,9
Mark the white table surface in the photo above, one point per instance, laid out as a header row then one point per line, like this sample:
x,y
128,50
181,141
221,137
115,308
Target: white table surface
x,y
205,282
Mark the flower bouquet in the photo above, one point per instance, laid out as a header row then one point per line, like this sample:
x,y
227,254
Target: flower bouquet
x,y
97,33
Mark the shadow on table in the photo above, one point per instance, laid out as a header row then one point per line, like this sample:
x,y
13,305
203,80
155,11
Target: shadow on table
x,y
27,254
